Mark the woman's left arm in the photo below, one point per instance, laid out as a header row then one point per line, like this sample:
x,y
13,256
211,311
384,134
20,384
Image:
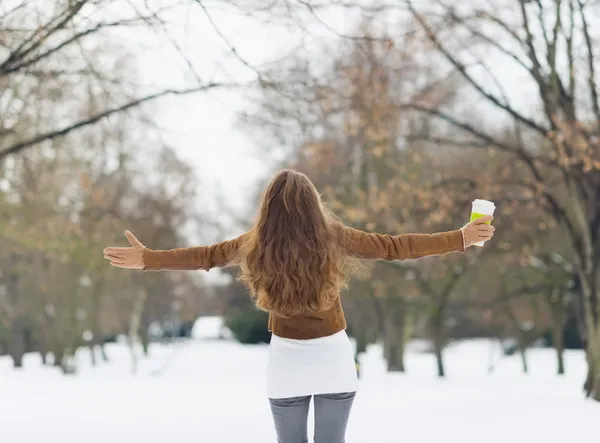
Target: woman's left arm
x,y
137,256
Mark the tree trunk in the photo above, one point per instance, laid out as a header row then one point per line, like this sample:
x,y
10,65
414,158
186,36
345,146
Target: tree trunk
x,y
361,340
559,346
391,356
145,328
103,351
17,358
145,342
399,362
523,354
59,357
394,336
43,349
592,383
407,331
92,349
588,383
97,336
438,344
134,324
16,342
596,385
555,301
388,341
64,364
439,358
590,288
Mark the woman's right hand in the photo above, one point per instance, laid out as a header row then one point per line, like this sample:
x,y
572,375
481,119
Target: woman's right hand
x,y
129,258
478,230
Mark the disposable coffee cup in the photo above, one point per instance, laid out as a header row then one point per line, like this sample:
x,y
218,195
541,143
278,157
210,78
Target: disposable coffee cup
x,y
481,208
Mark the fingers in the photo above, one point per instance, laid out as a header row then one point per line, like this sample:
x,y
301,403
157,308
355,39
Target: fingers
x,y
118,257
482,220
115,258
116,251
117,261
132,240
125,257
485,233
124,265
479,232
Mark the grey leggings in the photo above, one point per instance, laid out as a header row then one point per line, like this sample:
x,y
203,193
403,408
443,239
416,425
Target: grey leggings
x,y
331,417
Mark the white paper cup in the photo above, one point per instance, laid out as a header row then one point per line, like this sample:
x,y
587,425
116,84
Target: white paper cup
x,y
479,209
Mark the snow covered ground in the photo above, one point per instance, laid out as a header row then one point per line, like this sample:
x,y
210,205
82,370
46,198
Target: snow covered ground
x,y
213,392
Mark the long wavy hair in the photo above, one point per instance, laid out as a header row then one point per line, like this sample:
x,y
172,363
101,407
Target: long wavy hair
x,y
292,260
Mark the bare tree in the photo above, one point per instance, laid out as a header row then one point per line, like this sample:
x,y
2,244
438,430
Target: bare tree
x,y
564,171
41,45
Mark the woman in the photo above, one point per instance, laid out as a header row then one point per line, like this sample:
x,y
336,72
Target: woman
x,y
293,262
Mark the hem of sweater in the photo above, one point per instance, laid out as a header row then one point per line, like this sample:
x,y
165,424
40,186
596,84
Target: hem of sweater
x,y
293,394
315,336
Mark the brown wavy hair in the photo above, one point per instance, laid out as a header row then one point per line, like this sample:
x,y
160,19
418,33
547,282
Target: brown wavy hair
x,y
292,260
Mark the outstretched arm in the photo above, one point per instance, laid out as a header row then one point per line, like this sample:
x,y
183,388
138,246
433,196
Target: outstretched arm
x,y
199,257
373,246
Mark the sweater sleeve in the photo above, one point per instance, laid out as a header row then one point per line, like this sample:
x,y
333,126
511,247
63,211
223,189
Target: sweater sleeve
x,y
374,246
198,257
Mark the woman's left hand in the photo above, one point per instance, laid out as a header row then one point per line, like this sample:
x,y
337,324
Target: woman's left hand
x,y
129,258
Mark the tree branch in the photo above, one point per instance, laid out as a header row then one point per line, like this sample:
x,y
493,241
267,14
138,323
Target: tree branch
x,y
460,67
312,10
9,66
19,146
537,68
489,40
46,31
523,291
570,54
447,290
447,141
222,36
591,62
542,24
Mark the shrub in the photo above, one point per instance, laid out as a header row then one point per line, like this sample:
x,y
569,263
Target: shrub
x,y
249,326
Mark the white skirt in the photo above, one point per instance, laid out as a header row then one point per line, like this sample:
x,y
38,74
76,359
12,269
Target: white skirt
x,y
310,367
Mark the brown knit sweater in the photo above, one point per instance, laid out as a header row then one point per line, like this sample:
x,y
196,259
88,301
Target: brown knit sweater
x,y
359,244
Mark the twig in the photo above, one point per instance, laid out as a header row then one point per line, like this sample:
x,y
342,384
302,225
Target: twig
x,y
232,48
102,115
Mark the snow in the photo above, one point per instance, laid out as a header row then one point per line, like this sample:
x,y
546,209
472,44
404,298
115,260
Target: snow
x,y
214,391
210,327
